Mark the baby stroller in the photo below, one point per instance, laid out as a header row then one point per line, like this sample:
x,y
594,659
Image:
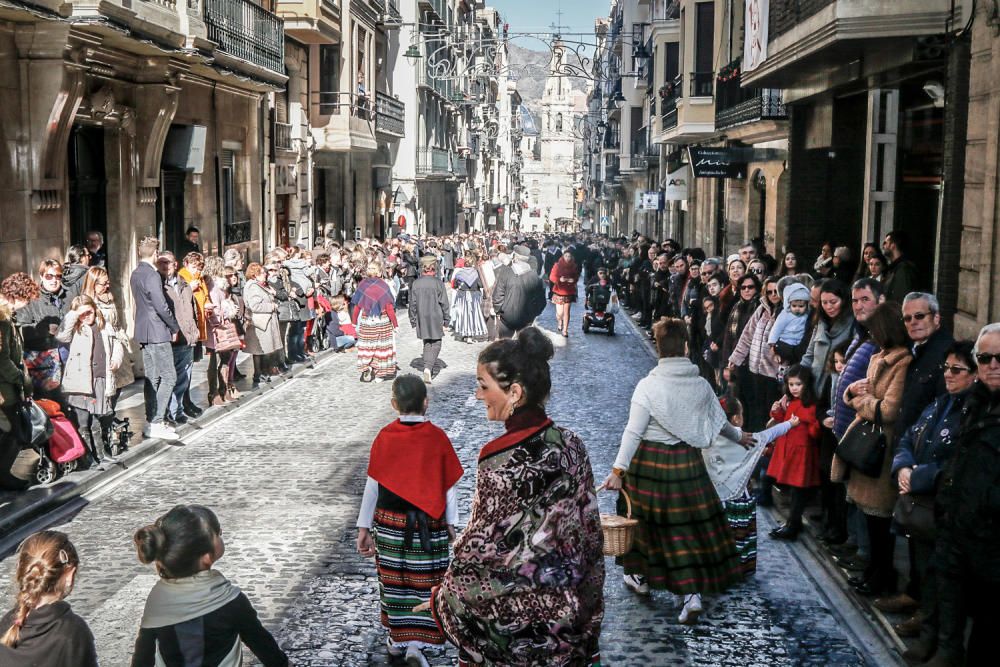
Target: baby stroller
x,y
601,300
59,454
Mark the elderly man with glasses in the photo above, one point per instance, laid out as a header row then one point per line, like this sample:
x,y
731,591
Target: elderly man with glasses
x,y
967,556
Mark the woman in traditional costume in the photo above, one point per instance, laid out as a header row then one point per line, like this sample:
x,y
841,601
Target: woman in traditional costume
x,y
374,314
525,583
467,309
410,504
683,542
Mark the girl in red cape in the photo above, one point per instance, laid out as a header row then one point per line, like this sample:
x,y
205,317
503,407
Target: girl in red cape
x,y
564,276
407,518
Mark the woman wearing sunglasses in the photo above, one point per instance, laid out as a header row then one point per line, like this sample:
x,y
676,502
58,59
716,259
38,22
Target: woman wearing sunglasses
x,y
922,452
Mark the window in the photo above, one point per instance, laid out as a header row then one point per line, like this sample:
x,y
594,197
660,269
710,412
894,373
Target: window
x,y
329,78
670,68
704,49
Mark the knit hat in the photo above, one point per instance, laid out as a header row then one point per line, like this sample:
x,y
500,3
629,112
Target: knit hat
x,y
795,292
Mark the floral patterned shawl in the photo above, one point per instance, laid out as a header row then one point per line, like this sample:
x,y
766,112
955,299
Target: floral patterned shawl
x,y
525,586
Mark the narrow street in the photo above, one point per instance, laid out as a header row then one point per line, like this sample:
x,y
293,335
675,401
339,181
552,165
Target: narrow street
x,y
285,476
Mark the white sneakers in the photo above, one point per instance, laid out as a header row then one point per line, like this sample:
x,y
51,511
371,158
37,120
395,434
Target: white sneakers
x,y
637,583
159,431
692,609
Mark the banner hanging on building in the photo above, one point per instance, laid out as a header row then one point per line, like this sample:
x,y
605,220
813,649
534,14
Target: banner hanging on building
x,y
755,34
718,162
676,186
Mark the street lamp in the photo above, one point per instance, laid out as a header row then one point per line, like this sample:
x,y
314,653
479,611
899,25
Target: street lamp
x,y
413,53
619,99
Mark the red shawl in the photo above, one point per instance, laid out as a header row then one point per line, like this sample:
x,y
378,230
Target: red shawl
x,y
564,269
522,425
417,463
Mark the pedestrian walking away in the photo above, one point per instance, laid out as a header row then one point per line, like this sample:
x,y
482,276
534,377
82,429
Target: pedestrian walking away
x,y
430,313
408,516
683,543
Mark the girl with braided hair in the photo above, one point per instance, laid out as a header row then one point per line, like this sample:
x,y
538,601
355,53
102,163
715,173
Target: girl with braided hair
x,y
41,630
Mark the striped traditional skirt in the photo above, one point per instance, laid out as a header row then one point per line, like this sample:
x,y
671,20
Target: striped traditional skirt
x,y
741,513
467,314
407,575
683,542
376,345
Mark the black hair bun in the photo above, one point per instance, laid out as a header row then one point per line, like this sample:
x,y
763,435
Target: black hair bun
x,y
535,345
150,543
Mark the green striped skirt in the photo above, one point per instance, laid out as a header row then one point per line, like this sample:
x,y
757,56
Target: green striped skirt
x,y
683,542
741,513
407,575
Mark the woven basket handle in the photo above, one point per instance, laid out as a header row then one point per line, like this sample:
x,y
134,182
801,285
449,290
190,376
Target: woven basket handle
x,y
628,501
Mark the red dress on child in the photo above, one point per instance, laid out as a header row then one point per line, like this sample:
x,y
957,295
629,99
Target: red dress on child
x,y
795,461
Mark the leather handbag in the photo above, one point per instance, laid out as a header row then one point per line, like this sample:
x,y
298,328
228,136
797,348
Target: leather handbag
x,y
863,446
29,423
914,516
227,337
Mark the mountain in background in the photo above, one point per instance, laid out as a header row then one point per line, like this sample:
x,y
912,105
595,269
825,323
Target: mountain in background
x,y
531,68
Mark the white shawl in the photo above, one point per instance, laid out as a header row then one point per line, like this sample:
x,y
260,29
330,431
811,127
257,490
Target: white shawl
x,y
682,402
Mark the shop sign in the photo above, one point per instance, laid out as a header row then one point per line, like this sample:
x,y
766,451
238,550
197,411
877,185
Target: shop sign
x,y
755,35
718,162
676,186
651,201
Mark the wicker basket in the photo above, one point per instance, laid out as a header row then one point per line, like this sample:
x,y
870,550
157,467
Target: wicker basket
x,y
619,531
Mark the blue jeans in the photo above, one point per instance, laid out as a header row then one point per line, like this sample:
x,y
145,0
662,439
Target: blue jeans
x,y
160,379
344,342
183,365
296,340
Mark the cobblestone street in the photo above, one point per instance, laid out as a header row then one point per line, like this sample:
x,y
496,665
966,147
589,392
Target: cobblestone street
x,y
285,476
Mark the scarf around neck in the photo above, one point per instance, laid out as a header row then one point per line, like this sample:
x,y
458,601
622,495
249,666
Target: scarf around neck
x,y
682,402
173,601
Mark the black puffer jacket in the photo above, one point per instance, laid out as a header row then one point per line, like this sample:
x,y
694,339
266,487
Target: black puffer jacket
x,y
924,379
969,496
72,280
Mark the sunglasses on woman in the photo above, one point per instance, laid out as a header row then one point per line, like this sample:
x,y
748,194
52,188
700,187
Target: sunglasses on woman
x,y
954,370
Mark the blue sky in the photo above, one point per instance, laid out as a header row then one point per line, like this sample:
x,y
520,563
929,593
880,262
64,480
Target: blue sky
x,y
538,15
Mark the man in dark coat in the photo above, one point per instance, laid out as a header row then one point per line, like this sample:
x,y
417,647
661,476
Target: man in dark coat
x,y
518,296
924,377
967,559
901,275
429,311
155,328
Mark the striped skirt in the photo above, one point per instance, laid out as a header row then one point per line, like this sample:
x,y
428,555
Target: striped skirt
x,y
376,345
741,513
467,314
683,542
406,576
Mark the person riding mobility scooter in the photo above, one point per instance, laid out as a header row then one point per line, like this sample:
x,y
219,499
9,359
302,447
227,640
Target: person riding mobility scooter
x,y
600,304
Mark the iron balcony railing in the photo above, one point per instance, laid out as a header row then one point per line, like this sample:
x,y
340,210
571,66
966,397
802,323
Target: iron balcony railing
x,y
335,103
390,115
433,162
460,167
283,136
391,18
783,15
735,105
246,31
702,84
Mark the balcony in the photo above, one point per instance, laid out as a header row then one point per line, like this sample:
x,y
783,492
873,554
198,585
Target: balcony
x,y
441,87
811,40
246,32
343,122
390,115
311,21
391,18
460,167
433,163
437,8
282,133
736,106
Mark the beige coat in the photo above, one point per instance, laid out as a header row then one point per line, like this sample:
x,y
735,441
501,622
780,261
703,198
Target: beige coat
x,y
124,376
886,376
263,336
78,377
